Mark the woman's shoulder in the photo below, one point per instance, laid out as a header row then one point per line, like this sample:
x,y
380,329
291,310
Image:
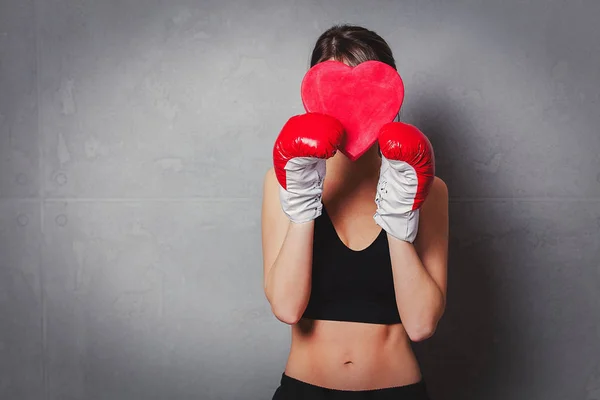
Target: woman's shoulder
x,y
438,194
270,189
439,186
270,173
270,180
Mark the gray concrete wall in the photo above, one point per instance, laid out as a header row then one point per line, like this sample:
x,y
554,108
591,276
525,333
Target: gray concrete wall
x,y
134,136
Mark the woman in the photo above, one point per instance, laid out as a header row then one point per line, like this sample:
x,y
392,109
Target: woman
x,y
355,288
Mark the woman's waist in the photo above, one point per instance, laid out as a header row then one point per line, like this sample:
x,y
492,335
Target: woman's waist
x,y
339,334
351,356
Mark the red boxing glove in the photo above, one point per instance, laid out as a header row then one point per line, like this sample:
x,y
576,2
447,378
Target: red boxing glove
x,y
407,172
299,155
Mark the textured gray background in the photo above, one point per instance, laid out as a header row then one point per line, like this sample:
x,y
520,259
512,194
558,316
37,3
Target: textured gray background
x,y
134,139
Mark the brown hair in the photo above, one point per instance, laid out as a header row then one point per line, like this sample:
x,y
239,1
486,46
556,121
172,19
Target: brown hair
x,y
352,45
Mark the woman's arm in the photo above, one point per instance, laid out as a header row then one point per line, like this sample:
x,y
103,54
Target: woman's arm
x,y
420,270
287,256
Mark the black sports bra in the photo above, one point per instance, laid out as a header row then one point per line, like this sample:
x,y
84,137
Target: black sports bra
x,y
349,285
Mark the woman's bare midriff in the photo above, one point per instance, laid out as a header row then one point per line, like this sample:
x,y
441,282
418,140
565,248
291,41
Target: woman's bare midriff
x,y
351,356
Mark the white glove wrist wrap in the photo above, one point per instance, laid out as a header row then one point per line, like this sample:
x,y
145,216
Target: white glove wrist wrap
x,y
396,192
301,200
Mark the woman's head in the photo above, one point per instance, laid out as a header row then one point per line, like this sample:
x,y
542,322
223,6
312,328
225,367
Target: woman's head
x,y
351,45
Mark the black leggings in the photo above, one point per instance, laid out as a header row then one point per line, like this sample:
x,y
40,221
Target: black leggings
x,y
293,389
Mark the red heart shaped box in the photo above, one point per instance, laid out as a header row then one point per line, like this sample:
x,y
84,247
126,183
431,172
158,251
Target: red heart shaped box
x,y
362,98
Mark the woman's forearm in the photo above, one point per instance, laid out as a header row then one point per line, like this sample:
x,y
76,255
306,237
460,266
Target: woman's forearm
x,y
420,301
288,282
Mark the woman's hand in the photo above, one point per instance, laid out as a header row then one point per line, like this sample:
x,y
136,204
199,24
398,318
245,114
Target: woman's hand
x,y
299,155
407,172
411,200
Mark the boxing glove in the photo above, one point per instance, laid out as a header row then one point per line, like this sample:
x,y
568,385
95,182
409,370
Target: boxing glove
x,y
407,172
299,155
